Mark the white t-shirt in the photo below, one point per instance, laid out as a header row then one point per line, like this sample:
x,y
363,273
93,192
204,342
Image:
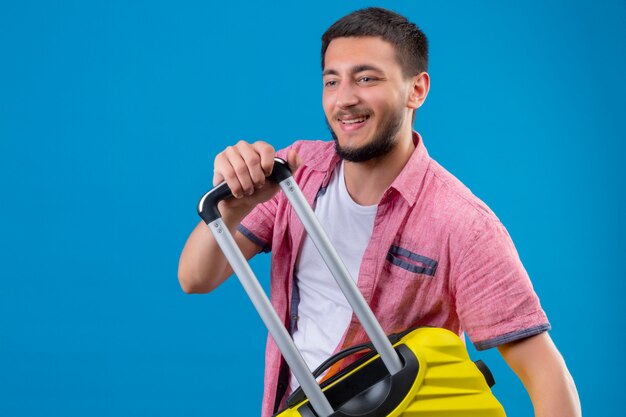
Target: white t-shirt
x,y
324,313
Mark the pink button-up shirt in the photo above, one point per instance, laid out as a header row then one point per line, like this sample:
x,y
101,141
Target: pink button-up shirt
x,y
438,256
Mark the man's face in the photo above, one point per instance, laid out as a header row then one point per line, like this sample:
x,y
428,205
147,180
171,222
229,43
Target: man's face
x,y
364,97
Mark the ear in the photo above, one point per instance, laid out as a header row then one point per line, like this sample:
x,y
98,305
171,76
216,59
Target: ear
x,y
420,85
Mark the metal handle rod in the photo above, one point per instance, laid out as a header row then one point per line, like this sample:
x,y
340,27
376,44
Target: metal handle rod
x,y
263,306
342,276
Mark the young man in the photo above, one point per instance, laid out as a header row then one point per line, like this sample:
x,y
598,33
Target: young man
x,y
422,248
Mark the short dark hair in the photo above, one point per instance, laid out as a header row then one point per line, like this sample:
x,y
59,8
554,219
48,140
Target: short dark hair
x,y
409,41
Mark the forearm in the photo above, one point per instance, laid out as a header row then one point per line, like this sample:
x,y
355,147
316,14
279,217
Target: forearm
x,y
202,266
545,376
553,392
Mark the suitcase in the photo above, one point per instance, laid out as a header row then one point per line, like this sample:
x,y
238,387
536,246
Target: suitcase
x,y
422,372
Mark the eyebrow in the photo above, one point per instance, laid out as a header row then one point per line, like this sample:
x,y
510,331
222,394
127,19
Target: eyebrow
x,y
354,70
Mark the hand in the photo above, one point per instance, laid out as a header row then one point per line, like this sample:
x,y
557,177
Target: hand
x,y
245,167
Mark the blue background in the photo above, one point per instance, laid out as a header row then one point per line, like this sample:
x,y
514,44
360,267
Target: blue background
x,y
111,114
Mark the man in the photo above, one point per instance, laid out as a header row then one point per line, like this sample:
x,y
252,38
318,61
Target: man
x,y
422,248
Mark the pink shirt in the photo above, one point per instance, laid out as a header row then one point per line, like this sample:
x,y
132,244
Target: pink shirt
x,y
438,256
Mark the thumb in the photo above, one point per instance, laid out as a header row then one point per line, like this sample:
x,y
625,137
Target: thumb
x,y
217,178
294,160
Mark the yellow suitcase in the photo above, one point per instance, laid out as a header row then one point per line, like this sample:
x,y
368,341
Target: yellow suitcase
x,y
437,379
425,372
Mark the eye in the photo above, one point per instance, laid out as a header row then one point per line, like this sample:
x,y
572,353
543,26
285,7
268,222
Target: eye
x,y
330,83
366,79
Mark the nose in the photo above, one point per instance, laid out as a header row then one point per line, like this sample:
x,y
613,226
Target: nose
x,y
346,95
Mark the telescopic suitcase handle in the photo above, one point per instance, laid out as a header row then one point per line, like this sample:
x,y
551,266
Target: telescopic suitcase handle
x,y
207,209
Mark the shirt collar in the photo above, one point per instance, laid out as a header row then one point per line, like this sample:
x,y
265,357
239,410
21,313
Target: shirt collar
x,y
408,182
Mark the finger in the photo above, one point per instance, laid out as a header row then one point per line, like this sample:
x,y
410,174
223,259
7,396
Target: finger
x,y
224,171
219,166
241,171
267,153
253,161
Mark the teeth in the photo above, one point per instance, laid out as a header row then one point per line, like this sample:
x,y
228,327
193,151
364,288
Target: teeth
x,y
352,121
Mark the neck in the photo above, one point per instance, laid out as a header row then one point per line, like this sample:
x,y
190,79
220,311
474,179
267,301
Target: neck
x,y
367,181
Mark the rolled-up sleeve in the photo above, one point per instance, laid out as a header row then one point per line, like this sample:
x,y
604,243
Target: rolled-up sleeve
x,y
258,225
496,302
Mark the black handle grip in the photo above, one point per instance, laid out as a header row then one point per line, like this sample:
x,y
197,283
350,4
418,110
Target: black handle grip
x,y
207,206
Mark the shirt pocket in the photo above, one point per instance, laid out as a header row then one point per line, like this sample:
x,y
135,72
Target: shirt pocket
x,y
408,264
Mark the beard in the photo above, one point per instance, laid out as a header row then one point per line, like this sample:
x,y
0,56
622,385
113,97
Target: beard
x,y
381,144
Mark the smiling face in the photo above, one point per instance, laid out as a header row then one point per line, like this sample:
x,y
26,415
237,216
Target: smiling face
x,y
365,97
